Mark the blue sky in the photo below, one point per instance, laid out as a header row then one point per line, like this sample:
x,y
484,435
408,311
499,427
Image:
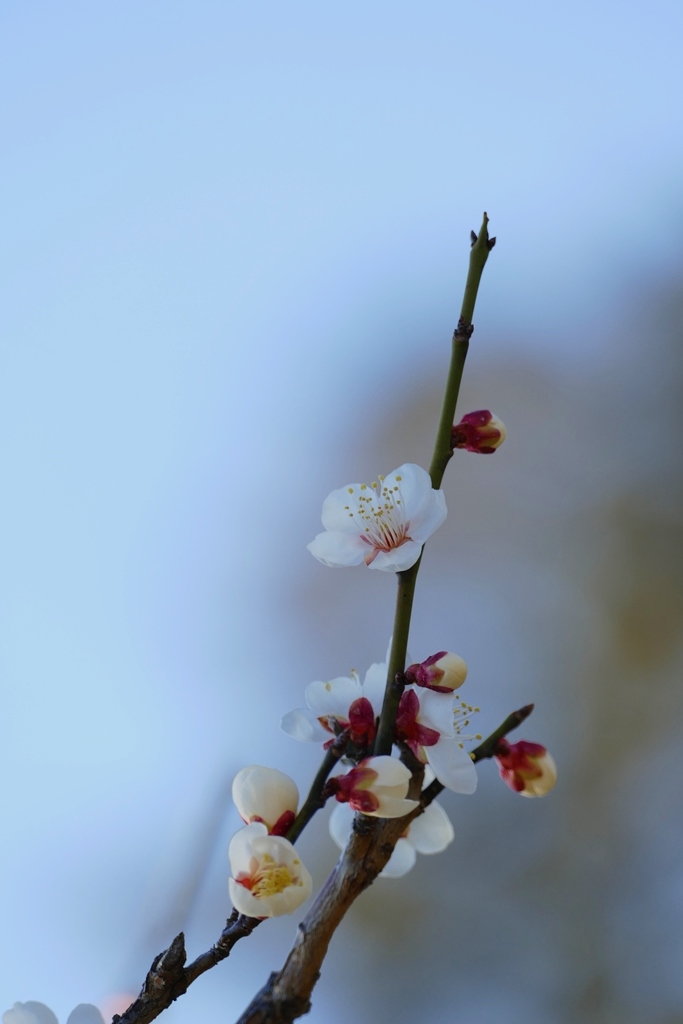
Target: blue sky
x,y
224,225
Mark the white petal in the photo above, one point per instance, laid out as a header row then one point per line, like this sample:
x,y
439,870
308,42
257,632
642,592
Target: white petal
x,y
390,772
302,724
452,765
287,901
436,710
338,549
240,850
340,824
333,697
401,861
432,831
243,900
374,685
397,559
392,807
415,485
30,1012
277,848
85,1013
336,516
264,793
428,517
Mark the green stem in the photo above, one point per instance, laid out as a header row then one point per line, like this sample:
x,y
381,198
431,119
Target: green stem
x,y
443,451
481,247
397,658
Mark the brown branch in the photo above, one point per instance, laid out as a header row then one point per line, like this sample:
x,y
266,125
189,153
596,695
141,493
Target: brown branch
x,y
286,995
168,977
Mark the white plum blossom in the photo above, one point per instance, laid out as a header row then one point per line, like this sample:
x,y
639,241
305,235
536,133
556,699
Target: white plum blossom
x,y
377,787
267,795
33,1012
431,832
339,704
383,524
430,723
268,878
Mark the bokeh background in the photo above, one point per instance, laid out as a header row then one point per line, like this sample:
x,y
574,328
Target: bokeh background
x,y
233,248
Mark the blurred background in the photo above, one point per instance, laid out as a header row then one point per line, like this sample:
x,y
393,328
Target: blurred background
x,y
234,243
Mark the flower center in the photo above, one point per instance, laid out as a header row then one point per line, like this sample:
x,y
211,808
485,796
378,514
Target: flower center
x,y
269,878
380,515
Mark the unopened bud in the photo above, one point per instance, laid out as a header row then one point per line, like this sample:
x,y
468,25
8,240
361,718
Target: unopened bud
x,y
525,767
266,795
377,787
479,431
443,672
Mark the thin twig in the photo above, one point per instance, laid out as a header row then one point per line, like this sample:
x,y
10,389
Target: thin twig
x,y
487,748
443,451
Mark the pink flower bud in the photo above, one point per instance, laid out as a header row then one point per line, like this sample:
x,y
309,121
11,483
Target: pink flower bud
x,y
525,767
479,431
377,786
443,672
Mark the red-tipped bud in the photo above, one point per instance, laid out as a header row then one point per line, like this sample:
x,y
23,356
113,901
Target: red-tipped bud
x,y
443,672
266,795
377,786
479,431
525,767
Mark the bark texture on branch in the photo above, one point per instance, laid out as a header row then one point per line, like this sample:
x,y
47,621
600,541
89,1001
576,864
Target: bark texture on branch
x,y
286,994
168,977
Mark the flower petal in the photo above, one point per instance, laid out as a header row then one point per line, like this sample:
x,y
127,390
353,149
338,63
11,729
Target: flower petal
x,y
340,824
264,793
338,549
390,771
452,765
414,483
428,517
240,848
432,831
436,710
303,724
30,1012
392,807
398,559
243,901
333,697
401,861
339,507
85,1013
374,685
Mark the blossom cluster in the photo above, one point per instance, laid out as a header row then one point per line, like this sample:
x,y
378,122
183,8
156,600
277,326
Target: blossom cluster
x,y
384,525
